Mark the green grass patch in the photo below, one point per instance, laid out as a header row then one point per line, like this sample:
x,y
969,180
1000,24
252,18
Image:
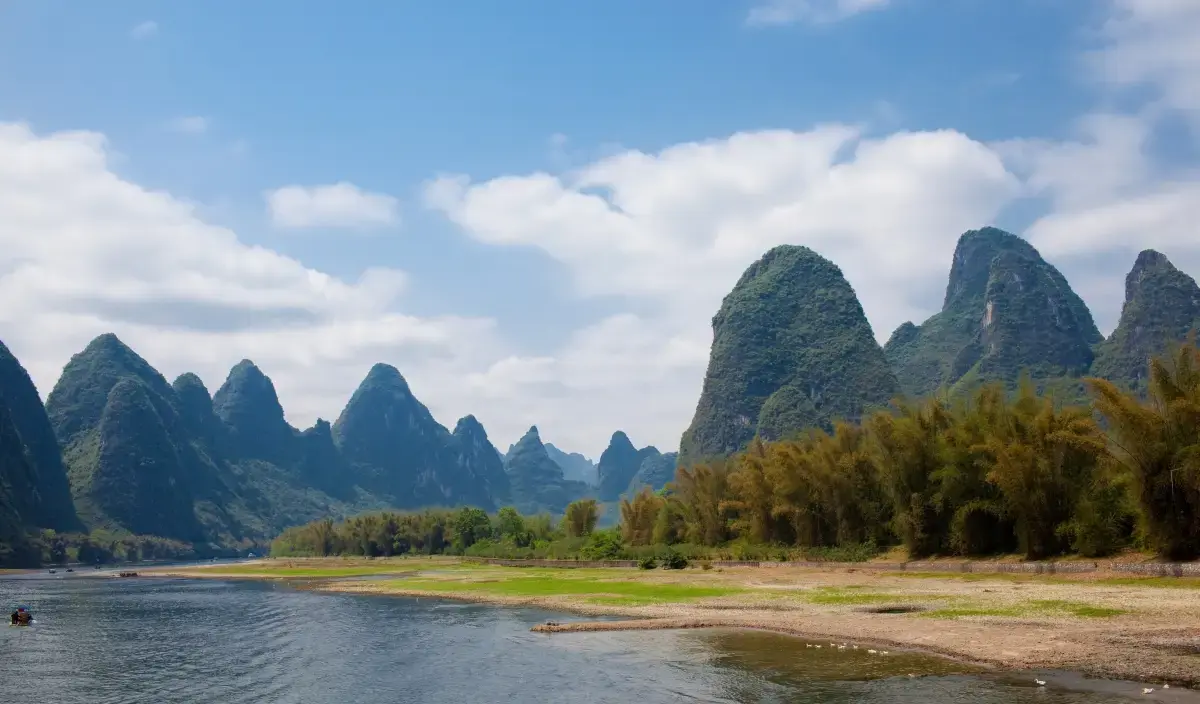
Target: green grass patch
x,y
525,586
1041,607
845,596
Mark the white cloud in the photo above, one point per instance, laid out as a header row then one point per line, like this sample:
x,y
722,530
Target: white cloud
x,y
337,205
88,252
193,124
1154,43
144,30
776,12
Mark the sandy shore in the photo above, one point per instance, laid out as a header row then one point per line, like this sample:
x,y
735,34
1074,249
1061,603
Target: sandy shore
x,y
1100,625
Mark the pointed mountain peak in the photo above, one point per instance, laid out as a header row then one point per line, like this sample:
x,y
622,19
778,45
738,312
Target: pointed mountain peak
x,y
106,342
469,426
386,373
1150,265
248,404
1151,259
75,403
1162,307
973,257
188,384
621,440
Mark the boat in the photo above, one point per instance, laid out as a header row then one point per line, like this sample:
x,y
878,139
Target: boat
x,y
24,617
53,571
70,569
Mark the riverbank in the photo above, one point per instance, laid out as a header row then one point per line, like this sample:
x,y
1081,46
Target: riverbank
x,y
1100,623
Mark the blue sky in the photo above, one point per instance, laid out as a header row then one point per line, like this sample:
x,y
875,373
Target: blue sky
x,y
537,172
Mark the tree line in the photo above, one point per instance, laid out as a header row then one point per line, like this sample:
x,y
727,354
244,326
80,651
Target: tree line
x,y
990,473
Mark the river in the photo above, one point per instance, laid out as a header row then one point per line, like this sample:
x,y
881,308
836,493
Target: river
x,y
162,641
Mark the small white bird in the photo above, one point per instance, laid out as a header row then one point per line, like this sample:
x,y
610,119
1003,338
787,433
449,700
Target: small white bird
x,y
1166,686
883,652
1040,683
871,652
841,647
816,646
855,647
1147,690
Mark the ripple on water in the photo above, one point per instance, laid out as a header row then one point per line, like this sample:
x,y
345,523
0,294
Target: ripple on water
x,y
176,641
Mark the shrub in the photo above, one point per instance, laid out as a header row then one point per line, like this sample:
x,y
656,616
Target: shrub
x,y
648,563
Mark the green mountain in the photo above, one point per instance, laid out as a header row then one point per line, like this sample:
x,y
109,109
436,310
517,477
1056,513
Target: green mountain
x,y
482,467
575,466
1006,311
138,480
1162,306
249,407
791,350
395,449
49,502
536,481
656,471
618,463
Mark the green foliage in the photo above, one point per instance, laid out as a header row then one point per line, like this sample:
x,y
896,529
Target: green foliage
x,y
1156,444
982,474
579,520
470,526
647,563
672,560
602,545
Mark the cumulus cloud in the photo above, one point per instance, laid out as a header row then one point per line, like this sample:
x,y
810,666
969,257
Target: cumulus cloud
x,y
87,252
777,12
337,205
193,124
144,30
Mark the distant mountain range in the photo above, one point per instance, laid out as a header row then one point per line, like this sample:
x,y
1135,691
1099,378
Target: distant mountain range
x,y
116,446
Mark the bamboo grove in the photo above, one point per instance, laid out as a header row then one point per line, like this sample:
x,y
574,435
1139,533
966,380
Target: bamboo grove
x,y
990,474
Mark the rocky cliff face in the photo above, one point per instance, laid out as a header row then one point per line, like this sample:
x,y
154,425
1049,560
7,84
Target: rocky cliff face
x,y
1162,306
791,350
1006,311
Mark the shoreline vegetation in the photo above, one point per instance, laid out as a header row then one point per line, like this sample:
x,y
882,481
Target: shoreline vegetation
x,y
1103,624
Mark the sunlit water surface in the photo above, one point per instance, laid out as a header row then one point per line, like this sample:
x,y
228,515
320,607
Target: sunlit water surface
x,y
162,641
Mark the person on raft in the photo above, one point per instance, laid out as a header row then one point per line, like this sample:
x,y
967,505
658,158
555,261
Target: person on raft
x,y
21,617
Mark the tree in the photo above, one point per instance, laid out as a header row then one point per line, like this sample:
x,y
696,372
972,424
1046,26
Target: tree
x,y
470,526
580,518
1156,444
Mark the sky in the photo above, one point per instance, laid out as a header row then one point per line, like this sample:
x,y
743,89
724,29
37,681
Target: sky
x,y
534,209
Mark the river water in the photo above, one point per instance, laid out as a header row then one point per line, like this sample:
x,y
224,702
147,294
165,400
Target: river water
x,y
162,641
